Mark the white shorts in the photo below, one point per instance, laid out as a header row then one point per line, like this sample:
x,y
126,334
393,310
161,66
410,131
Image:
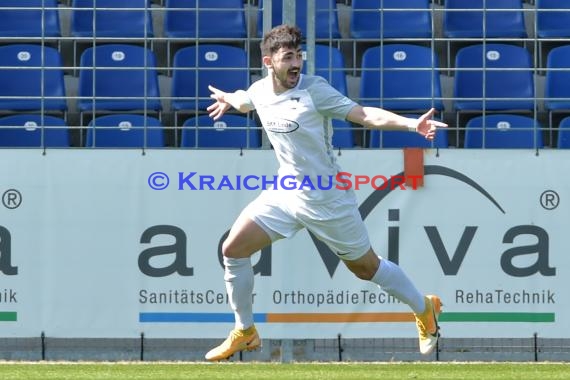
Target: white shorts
x,y
337,223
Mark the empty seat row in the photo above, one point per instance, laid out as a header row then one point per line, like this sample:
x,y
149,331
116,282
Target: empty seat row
x,y
488,77
500,130
236,131
116,77
369,19
374,19
398,77
128,131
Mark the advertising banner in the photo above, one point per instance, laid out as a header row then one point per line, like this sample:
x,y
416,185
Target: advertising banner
x,y
113,243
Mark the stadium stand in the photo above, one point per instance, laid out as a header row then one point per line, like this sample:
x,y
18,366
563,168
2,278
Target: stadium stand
x,y
564,133
401,78
552,24
109,21
557,86
34,131
220,21
493,77
111,18
484,19
25,21
118,78
467,21
32,79
125,131
230,131
503,131
325,20
196,67
173,22
390,19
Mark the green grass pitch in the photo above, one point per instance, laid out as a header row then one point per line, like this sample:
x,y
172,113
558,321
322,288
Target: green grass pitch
x,y
296,371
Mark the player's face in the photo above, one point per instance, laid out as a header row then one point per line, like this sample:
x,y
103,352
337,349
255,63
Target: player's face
x,y
286,64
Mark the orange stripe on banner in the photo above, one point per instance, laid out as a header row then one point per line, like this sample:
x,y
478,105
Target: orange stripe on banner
x,y
338,317
414,167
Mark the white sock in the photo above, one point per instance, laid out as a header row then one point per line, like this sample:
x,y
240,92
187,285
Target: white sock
x,y
239,285
392,279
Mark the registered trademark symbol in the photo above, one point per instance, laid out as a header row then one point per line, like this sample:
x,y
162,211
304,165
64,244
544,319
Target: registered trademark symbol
x,y
11,199
549,199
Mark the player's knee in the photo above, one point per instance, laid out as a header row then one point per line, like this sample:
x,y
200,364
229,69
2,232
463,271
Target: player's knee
x,y
363,273
228,249
365,267
232,249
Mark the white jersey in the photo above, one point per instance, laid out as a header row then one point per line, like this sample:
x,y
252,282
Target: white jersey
x,y
298,125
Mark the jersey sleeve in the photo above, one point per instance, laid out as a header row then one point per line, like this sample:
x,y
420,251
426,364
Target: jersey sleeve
x,y
328,100
254,92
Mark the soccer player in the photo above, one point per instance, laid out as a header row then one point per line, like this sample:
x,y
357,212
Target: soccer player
x,y
295,111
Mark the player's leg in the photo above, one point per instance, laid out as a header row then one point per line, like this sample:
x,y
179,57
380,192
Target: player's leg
x,y
262,222
345,233
392,279
245,238
389,276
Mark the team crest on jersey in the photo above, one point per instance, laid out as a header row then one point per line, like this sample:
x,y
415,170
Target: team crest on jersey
x,y
279,125
294,102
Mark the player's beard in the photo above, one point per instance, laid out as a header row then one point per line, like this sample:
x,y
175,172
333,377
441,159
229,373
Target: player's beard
x,y
288,79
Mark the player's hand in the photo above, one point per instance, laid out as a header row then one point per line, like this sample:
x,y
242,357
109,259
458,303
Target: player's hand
x,y
220,107
427,127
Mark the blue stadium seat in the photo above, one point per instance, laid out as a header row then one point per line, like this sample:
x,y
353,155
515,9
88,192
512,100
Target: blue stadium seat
x,y
231,131
29,22
326,18
404,139
329,63
557,85
134,21
118,77
343,134
564,133
552,18
24,90
33,130
125,131
400,77
502,73
484,18
503,131
373,19
219,19
196,67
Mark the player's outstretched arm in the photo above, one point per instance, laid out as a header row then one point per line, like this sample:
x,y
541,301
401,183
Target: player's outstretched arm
x,y
225,100
378,118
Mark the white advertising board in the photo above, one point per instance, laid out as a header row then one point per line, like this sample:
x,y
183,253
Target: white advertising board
x,y
89,249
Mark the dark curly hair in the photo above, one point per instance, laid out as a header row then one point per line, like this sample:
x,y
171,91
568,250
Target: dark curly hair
x,y
287,36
